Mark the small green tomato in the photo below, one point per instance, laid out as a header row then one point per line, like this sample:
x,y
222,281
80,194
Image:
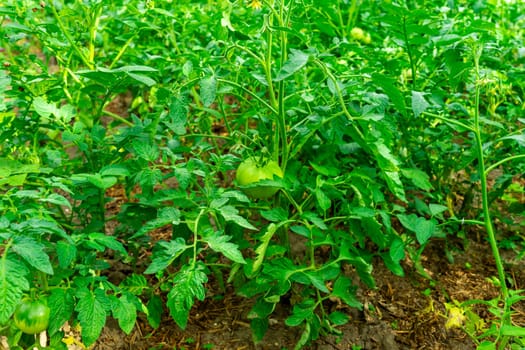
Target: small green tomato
x,y
31,317
251,171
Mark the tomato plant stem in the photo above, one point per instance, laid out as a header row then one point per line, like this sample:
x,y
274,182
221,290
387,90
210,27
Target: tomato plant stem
x,y
69,38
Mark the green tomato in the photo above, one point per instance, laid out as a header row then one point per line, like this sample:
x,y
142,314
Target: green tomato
x,y
250,172
31,317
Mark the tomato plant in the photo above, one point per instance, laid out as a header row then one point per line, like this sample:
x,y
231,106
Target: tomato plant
x,y
252,171
31,317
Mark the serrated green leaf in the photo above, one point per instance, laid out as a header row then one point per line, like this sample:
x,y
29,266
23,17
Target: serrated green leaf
x,y
91,314
43,108
208,90
436,209
395,185
419,103
141,78
297,60
165,253
126,313
96,180
315,219
388,86
418,178
374,230
188,284
154,311
344,290
177,115
317,280
165,216
146,150
55,198
41,227
259,326
230,213
66,253
13,284
221,244
33,253
423,228
300,313
338,318
397,249
62,304
364,268
108,241
134,284
115,170
384,157
275,214
261,249
322,199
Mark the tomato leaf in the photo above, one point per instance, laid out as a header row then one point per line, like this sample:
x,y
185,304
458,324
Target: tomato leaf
x,y
344,290
134,284
177,115
230,213
423,228
208,90
91,314
419,104
220,243
165,216
418,177
301,312
338,318
297,60
146,150
33,253
126,313
154,311
66,253
55,198
165,253
108,242
13,283
62,305
188,284
261,249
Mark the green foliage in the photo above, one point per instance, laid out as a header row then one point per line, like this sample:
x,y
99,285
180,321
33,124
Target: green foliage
x,y
377,113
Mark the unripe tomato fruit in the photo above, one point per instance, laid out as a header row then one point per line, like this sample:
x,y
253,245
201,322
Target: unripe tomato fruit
x,y
31,317
250,172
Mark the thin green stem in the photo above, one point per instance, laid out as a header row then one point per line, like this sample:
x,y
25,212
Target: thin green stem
x,y
69,38
249,92
358,134
195,237
281,117
504,160
93,34
122,50
118,117
449,120
505,316
409,52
